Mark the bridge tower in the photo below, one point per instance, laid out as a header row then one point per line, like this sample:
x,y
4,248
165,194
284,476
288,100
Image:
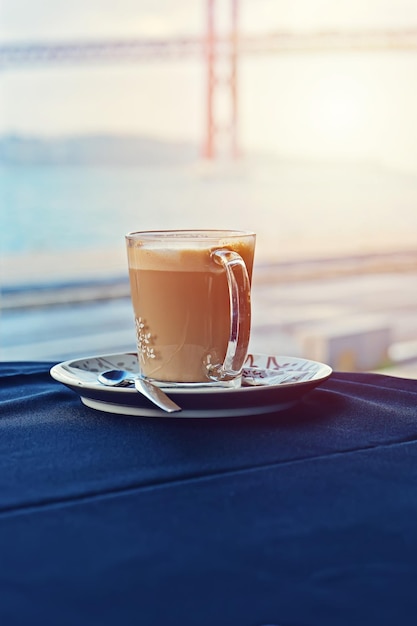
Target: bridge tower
x,y
221,67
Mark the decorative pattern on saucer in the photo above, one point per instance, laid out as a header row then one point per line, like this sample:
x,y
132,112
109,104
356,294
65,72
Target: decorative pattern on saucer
x,y
263,369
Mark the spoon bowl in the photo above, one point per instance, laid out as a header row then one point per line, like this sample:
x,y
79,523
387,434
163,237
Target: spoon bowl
x,y
123,378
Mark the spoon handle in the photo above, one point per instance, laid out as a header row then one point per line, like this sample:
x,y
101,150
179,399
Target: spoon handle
x,y
156,395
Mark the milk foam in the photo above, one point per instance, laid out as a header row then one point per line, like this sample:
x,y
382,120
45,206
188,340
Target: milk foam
x,y
181,258
170,260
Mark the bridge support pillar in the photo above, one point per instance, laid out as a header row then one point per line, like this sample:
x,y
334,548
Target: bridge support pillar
x,y
222,75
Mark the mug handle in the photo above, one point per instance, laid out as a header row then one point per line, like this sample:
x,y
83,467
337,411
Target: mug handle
x,y
240,314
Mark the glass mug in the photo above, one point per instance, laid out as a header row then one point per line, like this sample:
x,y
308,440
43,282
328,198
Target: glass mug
x,y
190,293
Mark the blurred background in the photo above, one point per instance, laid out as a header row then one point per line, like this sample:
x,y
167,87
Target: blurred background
x,y
293,118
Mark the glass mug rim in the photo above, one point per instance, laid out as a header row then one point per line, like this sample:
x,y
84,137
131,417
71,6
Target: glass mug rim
x,y
209,234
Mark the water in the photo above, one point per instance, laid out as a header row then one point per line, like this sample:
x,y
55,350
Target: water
x,y
296,208
293,206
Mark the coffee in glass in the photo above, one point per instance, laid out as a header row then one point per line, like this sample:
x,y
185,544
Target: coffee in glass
x,y
190,292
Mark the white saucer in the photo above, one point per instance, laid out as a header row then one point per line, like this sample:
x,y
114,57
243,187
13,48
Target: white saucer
x,y
284,381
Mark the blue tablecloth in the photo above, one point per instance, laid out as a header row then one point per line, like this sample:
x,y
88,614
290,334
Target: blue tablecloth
x,y
307,517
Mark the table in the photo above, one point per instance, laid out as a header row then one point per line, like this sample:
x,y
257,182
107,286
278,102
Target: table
x,y
303,518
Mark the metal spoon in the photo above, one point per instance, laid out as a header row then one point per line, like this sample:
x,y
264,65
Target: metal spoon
x,y
122,378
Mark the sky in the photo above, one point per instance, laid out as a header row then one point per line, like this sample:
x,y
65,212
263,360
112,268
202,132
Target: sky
x,y
323,105
55,19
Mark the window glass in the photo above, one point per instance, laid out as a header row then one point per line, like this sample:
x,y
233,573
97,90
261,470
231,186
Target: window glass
x,y
299,123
